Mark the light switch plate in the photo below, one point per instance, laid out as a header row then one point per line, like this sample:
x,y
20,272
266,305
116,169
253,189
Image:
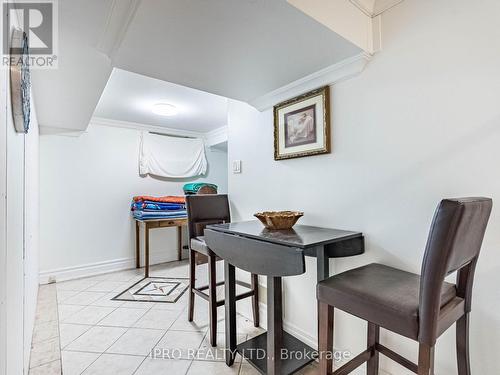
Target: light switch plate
x,y
237,166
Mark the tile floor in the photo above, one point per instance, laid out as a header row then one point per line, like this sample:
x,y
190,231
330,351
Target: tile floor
x,y
79,330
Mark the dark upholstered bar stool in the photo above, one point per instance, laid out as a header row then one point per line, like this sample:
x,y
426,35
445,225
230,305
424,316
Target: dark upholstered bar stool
x,y
418,307
204,210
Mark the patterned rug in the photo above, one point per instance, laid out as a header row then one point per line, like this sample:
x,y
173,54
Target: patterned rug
x,y
155,289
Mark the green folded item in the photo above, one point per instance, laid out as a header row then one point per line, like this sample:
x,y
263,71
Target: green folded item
x,y
195,186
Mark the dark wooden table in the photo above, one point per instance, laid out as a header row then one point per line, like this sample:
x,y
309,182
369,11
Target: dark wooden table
x,y
151,224
275,254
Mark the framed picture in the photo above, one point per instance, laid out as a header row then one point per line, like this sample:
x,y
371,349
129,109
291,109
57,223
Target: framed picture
x,y
302,125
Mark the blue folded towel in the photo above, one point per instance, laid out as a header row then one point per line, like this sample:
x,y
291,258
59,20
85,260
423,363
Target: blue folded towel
x,y
159,214
156,206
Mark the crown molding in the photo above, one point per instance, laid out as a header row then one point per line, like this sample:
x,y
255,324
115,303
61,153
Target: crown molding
x,y
374,8
120,15
333,74
366,6
216,136
101,121
211,138
52,130
383,5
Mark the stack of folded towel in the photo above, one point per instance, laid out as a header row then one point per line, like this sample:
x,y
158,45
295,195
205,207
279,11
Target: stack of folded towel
x,y
193,188
169,207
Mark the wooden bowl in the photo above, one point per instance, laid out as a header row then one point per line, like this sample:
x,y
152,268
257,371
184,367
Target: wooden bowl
x,y
279,219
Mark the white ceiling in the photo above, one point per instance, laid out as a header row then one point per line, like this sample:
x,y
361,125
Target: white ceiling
x,y
240,49
130,97
66,97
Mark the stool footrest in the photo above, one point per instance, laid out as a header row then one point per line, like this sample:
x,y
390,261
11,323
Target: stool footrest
x,y
354,363
206,297
396,358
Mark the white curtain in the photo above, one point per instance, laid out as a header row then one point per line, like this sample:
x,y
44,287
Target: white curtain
x,y
171,157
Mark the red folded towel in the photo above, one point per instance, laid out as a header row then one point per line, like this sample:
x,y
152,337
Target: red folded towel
x,y
166,199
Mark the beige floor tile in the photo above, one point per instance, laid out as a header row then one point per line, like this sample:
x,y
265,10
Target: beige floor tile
x,y
63,295
65,311
70,332
136,341
44,352
127,276
44,331
46,312
108,286
90,330
175,269
74,363
97,339
46,288
246,369
199,323
243,326
106,301
51,368
179,344
122,317
46,293
157,319
163,366
114,364
212,368
84,298
208,353
76,285
177,306
89,315
138,305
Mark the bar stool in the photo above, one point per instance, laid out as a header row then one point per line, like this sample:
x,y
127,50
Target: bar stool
x,y
418,307
203,210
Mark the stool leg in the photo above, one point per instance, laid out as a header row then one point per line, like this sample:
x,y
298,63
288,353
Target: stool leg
x,y
463,359
212,298
373,338
425,359
137,245
192,280
325,344
230,307
179,243
146,250
255,300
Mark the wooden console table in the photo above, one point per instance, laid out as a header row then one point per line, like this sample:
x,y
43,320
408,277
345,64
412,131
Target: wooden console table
x,y
156,223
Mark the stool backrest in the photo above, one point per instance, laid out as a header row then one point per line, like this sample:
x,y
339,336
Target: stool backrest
x,y
454,243
203,210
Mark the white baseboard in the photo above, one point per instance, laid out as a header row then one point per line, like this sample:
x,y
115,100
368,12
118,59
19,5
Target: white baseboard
x,y
99,268
85,270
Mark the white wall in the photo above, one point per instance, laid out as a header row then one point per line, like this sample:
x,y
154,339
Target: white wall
x,y
19,208
87,183
31,230
420,124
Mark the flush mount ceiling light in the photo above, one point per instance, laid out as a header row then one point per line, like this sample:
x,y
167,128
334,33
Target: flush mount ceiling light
x,y
165,109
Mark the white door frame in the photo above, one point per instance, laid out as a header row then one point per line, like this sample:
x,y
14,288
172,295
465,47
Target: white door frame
x,y
3,211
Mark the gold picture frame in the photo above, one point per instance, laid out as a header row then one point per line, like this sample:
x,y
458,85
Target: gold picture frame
x,y
302,125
